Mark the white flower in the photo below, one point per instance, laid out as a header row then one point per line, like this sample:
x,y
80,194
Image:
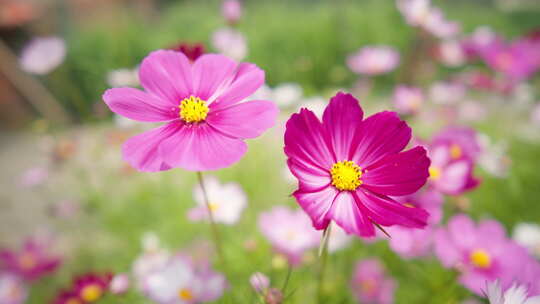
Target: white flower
x,y
227,201
123,78
286,94
231,43
528,236
517,294
42,55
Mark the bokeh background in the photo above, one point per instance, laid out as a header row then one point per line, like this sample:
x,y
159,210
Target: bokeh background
x,y
63,177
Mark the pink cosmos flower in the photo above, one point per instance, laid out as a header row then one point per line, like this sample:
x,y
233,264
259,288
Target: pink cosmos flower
x,y
231,10
192,50
479,41
227,201
517,60
12,289
422,14
442,92
407,100
451,53
437,24
180,281
259,282
464,142
348,167
230,42
31,262
119,284
373,60
516,294
33,177
205,122
370,284
91,287
294,234
480,252
42,55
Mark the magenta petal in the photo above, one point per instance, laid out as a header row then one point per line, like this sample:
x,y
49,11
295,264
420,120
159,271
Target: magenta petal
x,y
398,174
212,74
244,120
141,151
387,212
379,135
341,119
306,141
167,74
317,205
247,80
138,105
347,214
200,147
311,179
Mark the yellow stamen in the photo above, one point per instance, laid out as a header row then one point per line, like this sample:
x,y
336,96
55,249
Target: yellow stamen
x,y
434,172
213,207
409,205
346,175
91,293
185,294
455,151
193,109
480,258
27,261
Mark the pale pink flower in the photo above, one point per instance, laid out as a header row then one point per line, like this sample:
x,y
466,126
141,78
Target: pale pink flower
x,y
33,177
12,289
230,43
371,285
259,282
373,60
42,55
231,10
119,283
407,100
451,53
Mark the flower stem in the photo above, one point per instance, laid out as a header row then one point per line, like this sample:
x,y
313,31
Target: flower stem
x,y
323,255
213,226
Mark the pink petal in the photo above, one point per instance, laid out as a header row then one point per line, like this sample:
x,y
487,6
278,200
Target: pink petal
x,y
341,119
454,177
310,179
306,141
445,250
317,204
244,120
379,135
387,212
347,214
200,147
167,74
247,80
138,105
463,231
141,151
492,228
398,174
212,73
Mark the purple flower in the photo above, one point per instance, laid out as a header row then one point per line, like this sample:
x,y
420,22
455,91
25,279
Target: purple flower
x,y
407,100
31,262
373,60
370,284
480,252
294,234
42,55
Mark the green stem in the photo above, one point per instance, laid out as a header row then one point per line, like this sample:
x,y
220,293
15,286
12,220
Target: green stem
x,y
323,256
213,226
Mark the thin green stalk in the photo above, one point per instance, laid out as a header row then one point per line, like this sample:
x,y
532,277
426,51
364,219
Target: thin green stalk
x,y
323,256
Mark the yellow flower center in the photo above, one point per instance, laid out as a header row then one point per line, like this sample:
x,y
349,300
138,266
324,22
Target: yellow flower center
x,y
27,261
91,293
480,258
346,175
455,151
213,207
185,294
434,172
193,109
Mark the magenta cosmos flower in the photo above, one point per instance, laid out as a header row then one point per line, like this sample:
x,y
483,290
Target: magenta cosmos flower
x,y
201,104
373,60
348,167
481,253
370,284
31,262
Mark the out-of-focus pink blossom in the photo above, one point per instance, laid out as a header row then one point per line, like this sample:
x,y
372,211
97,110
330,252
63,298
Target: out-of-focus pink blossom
x,y
42,55
31,262
119,283
422,14
12,289
66,209
231,10
373,60
33,177
407,100
294,234
370,284
227,201
451,53
444,92
439,26
230,43
535,115
479,41
259,282
517,60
